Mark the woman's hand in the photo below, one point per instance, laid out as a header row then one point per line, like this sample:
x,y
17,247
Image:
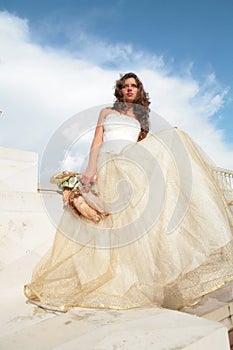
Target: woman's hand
x,y
88,177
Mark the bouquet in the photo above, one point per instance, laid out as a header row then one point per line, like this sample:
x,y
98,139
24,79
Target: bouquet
x,y
84,200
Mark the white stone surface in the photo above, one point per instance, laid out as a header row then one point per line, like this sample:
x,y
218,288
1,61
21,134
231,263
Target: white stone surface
x,y
18,170
26,232
90,329
25,227
216,306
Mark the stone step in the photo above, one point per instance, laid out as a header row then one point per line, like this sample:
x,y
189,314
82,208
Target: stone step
x,y
25,225
216,306
90,329
17,201
19,170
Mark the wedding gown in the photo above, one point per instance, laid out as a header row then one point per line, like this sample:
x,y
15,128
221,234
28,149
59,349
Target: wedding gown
x,y
167,240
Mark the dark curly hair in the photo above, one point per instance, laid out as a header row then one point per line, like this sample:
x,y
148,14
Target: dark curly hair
x,y
140,105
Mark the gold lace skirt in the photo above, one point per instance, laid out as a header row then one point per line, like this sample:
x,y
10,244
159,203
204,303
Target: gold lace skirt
x,y
167,242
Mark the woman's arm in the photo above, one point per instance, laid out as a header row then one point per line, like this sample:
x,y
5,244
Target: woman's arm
x,y
90,172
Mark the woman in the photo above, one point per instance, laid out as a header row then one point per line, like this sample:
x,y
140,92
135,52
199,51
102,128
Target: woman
x,y
129,93
167,240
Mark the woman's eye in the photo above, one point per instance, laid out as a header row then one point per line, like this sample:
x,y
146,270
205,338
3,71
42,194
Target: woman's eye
x,y
127,86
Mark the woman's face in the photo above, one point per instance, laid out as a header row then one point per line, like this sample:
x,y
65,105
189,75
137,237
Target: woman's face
x,y
130,90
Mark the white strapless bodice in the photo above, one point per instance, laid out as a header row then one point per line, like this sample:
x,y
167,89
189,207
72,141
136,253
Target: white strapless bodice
x,y
119,131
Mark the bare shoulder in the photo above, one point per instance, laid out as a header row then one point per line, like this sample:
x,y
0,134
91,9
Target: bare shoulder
x,y
103,114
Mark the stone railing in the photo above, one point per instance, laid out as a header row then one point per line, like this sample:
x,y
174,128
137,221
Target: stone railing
x,y
224,178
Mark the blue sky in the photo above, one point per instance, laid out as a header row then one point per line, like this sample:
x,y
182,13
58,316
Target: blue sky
x,y
178,41
180,30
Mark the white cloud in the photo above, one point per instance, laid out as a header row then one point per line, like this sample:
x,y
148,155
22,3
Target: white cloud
x,y
70,132
72,163
92,48
41,87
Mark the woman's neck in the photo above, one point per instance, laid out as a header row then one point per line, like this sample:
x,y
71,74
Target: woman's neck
x,y
129,112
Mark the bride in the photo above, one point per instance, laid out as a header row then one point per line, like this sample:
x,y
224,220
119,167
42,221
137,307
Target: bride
x,y
167,238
